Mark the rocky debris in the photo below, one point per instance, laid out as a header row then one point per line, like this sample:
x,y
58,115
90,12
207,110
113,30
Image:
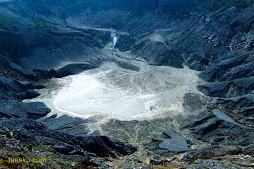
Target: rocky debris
x,y
36,110
221,143
220,164
156,52
11,70
210,152
244,21
13,93
73,69
15,90
239,161
27,135
223,116
69,69
220,44
221,136
242,107
195,102
169,142
42,45
198,62
215,5
212,125
44,74
227,89
207,127
230,75
28,94
125,42
223,66
70,125
17,109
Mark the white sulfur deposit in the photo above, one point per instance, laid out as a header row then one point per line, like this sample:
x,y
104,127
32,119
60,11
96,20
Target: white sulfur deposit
x,y
112,92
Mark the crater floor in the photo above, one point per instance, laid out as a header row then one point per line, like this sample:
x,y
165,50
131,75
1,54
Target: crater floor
x,y
111,92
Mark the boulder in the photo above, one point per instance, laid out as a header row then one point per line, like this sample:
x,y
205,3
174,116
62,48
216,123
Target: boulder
x,y
169,142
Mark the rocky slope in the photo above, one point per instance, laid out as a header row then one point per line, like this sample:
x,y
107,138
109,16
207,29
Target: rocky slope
x,y
220,44
37,42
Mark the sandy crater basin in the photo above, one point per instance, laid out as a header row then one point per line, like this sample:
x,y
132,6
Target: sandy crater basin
x,y
111,92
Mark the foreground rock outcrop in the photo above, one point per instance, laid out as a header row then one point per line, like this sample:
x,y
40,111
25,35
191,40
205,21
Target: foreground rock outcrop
x,y
30,139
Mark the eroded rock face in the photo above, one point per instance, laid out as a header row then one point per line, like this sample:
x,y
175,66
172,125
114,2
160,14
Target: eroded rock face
x,y
170,142
154,49
27,135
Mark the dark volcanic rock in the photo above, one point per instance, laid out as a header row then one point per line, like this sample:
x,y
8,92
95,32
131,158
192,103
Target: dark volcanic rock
x,y
103,146
70,125
170,142
44,74
28,94
63,149
195,102
36,110
30,139
18,109
153,49
227,89
220,129
224,163
125,43
223,139
242,107
72,69
38,134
